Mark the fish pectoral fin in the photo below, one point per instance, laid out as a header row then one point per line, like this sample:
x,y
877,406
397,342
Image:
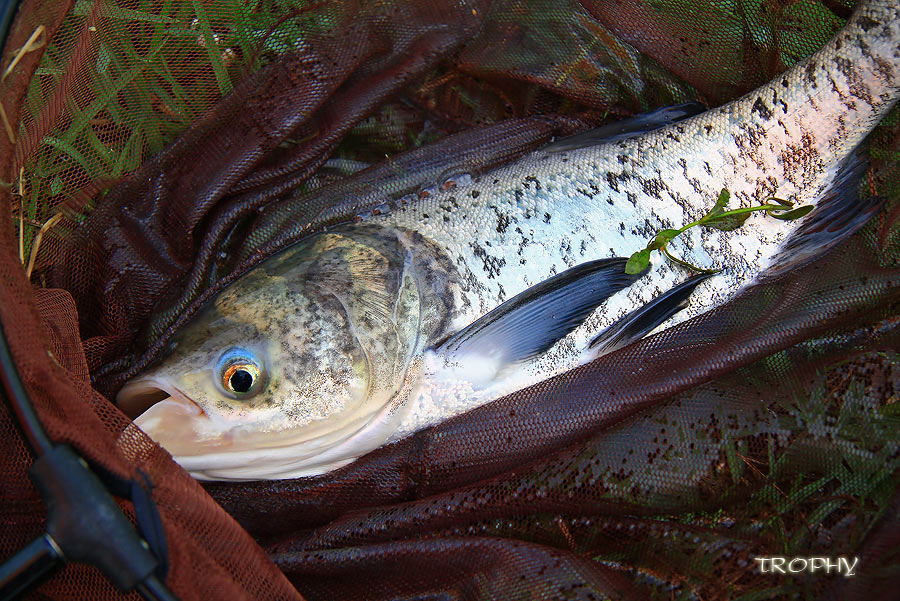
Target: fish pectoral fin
x,y
627,128
644,319
839,214
531,322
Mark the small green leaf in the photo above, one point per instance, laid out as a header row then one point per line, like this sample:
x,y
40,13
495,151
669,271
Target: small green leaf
x,y
658,242
638,262
727,222
711,216
722,201
779,201
718,209
791,215
669,234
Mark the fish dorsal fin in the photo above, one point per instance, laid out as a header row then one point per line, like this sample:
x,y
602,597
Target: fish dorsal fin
x,y
531,322
839,214
627,128
642,320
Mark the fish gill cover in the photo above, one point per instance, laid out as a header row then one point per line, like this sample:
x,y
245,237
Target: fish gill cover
x,y
140,141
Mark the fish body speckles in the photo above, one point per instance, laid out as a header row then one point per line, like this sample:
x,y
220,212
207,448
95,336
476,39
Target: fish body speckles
x,y
427,308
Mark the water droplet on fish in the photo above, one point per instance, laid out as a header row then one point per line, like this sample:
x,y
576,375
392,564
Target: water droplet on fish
x,y
381,209
427,191
363,215
406,199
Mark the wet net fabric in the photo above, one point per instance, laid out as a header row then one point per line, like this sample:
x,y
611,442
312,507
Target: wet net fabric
x,y
152,151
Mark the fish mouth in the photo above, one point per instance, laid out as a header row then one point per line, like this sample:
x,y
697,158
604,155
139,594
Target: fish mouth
x,y
168,416
138,396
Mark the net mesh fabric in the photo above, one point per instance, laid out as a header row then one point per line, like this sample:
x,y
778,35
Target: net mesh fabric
x,y
157,130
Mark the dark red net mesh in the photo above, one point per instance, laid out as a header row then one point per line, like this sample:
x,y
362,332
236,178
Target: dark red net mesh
x,y
765,427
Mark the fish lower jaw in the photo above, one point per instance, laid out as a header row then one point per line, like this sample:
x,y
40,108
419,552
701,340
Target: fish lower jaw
x,y
256,457
239,452
182,428
171,419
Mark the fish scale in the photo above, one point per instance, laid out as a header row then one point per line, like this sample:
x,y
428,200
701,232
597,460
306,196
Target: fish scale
x,y
375,330
783,139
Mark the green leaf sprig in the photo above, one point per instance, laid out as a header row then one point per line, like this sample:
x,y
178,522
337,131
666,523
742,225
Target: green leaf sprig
x,y
718,218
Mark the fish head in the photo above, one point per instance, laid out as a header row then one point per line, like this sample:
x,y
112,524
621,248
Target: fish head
x,y
288,366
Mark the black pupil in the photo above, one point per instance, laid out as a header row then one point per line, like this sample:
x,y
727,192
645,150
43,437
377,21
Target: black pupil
x,y
241,380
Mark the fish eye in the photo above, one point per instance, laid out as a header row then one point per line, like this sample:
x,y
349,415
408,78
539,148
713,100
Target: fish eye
x,y
240,373
240,377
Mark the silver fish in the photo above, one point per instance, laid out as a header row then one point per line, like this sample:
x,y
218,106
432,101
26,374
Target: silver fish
x,y
367,333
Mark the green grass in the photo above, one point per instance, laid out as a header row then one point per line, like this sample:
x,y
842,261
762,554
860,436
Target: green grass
x,y
154,70
158,65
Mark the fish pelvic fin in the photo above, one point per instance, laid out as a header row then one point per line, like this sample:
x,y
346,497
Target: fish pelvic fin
x,y
641,321
531,322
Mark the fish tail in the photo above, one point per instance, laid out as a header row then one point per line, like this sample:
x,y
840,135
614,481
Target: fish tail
x,y
842,212
854,80
792,133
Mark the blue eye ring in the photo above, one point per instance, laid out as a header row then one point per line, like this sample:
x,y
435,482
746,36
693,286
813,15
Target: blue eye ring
x,y
240,374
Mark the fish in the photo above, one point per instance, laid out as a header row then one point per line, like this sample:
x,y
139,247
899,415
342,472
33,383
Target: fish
x,y
368,332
